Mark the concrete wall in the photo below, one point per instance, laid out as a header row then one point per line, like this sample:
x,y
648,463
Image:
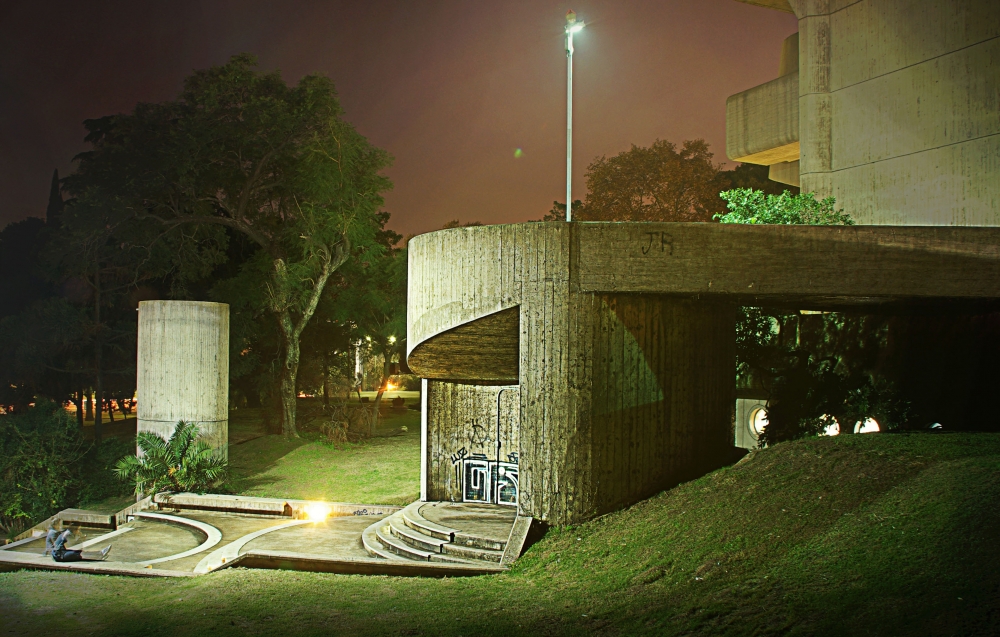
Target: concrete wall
x,y
661,407
746,437
462,427
899,110
183,369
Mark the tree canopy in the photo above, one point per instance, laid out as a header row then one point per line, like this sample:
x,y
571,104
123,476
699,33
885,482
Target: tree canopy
x,y
243,153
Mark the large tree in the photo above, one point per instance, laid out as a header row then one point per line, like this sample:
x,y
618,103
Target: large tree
x,y
242,150
658,183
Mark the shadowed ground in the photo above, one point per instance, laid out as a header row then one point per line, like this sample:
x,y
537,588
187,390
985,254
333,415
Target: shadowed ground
x,y
874,534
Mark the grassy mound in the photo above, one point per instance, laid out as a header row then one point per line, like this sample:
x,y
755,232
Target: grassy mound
x,y
876,534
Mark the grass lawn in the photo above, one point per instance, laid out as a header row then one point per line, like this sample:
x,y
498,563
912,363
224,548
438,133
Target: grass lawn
x,y
381,470
855,535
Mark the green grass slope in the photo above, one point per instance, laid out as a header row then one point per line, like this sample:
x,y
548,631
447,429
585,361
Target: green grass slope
x,y
854,535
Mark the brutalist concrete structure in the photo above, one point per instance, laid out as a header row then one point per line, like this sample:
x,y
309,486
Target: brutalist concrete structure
x,y
891,106
183,369
614,343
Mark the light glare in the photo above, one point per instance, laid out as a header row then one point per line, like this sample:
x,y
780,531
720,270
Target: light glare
x,y
317,511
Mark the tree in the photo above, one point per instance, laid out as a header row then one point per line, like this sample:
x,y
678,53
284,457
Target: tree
x,y
56,204
277,164
658,183
754,177
814,366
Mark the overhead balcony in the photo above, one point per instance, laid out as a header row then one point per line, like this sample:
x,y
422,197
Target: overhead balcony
x,y
762,123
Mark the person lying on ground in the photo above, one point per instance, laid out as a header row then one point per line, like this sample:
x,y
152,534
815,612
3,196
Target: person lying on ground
x,y
55,543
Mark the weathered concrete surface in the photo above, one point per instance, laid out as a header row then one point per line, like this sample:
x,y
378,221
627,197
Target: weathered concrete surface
x,y
780,5
898,104
483,350
193,540
626,344
762,123
264,506
183,369
461,424
489,523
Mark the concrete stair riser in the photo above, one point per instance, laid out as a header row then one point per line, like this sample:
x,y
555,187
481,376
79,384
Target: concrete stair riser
x,y
472,541
400,548
417,540
472,553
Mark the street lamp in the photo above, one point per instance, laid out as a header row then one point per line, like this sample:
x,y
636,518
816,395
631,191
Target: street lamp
x,y
572,26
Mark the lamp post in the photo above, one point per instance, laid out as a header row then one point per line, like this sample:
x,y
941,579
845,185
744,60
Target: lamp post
x,y
572,26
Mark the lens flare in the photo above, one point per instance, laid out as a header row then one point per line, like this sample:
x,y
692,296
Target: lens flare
x,y
518,153
317,511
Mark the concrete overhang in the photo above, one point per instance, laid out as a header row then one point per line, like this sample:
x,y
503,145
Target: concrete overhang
x,y
762,123
466,284
780,5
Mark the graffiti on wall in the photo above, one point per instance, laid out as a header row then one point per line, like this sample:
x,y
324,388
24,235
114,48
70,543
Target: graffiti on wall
x,y
483,449
485,480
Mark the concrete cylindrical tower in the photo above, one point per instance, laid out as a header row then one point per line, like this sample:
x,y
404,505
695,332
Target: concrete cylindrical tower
x,y
183,369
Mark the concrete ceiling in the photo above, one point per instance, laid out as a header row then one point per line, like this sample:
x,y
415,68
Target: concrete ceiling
x,y
780,5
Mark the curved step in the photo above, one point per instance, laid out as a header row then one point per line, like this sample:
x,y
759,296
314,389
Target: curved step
x,y
399,530
399,547
369,539
413,519
212,535
476,542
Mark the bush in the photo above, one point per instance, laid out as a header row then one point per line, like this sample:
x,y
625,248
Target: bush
x,y
755,208
179,464
38,450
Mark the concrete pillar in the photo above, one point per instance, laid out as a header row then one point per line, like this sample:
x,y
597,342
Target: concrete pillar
x,y
183,369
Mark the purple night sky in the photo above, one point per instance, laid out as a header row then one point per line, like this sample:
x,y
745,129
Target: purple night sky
x,y
451,89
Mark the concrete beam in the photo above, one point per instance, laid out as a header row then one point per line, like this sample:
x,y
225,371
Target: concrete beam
x,y
484,350
798,264
762,123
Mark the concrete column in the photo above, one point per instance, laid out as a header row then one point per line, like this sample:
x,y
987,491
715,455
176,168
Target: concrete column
x,y
423,440
183,369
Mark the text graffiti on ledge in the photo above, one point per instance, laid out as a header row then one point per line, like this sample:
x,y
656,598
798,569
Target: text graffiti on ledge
x,y
663,240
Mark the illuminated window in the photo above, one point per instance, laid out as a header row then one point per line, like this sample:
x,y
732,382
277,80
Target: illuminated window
x,y
758,419
870,426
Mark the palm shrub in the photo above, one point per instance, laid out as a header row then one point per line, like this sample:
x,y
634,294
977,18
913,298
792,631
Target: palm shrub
x,y
182,463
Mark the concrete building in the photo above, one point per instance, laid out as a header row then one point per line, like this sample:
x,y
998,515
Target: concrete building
x,y
891,106
573,369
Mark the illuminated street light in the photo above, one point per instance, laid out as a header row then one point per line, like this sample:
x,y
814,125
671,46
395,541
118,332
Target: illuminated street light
x,y
572,26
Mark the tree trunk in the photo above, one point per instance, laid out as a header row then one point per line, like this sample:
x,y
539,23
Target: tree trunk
x,y
289,374
89,401
326,379
378,403
79,408
98,356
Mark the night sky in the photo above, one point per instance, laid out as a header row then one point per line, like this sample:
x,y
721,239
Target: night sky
x,y
451,89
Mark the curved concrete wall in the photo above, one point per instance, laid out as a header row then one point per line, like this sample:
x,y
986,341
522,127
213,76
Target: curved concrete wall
x,y
183,368
459,275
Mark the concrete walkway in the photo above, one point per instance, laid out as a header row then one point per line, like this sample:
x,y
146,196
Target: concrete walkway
x,y
190,535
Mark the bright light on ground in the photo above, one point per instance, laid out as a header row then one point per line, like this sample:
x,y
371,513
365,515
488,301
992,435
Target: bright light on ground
x,y
870,426
317,511
832,427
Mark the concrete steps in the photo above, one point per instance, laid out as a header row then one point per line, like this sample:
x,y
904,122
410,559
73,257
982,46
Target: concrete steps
x,y
408,535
